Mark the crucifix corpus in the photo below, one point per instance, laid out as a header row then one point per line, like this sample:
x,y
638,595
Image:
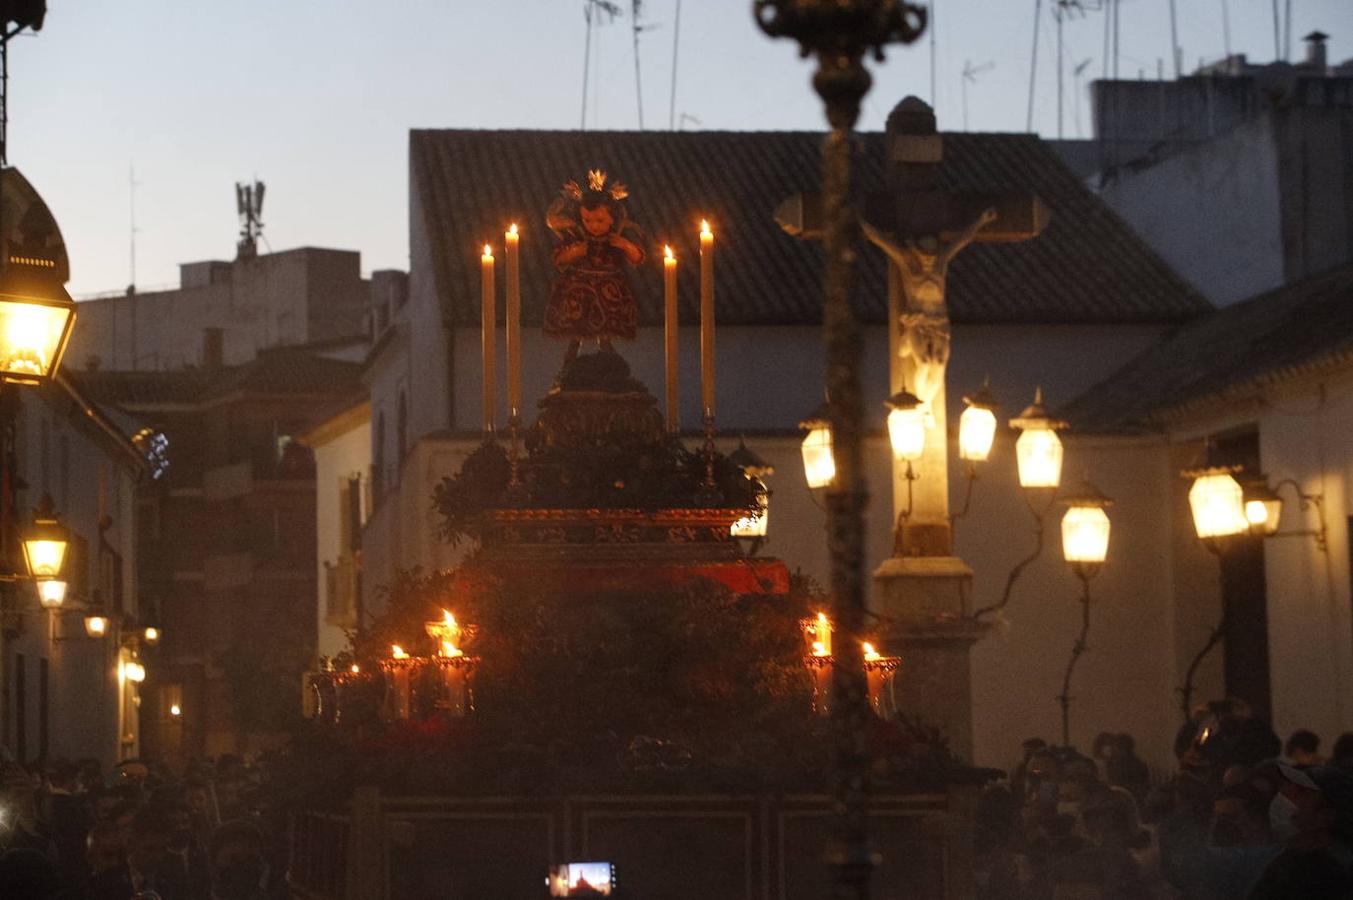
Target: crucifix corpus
x,y
921,228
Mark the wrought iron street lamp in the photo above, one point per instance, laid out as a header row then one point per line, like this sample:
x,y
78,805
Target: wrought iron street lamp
x,y
906,426
819,459
51,593
44,546
757,469
977,426
96,626
839,33
1217,502
1085,546
34,331
1038,452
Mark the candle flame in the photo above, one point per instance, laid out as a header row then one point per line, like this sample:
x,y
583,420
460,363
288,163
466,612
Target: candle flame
x,y
819,648
488,252
398,652
822,620
870,654
704,227
667,251
512,229
356,668
450,649
448,619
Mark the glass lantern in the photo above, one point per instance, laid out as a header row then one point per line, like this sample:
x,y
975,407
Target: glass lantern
x,y
1217,502
1038,452
906,426
819,465
977,426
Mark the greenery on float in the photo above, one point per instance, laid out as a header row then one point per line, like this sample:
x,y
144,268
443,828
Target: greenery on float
x,y
680,689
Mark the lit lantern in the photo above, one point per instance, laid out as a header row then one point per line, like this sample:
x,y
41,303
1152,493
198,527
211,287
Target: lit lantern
x,y
33,335
1263,507
151,635
1218,504
1038,452
753,526
135,672
51,593
819,466
452,693
755,468
879,671
906,425
96,626
1085,530
817,635
977,426
44,546
398,672
820,667
175,710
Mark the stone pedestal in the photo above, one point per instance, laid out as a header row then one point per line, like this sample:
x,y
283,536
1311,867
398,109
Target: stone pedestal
x,y
925,601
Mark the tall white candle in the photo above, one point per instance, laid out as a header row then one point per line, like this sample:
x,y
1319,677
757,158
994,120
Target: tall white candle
x,y
513,325
488,330
670,326
706,320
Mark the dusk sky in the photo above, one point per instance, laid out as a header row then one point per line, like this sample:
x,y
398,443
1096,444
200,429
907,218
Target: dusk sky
x,y
316,97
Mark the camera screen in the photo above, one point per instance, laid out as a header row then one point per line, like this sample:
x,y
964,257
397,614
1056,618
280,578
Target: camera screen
x,y
582,879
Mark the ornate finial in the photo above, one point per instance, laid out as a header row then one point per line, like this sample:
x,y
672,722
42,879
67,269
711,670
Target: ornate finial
x,y
571,190
596,179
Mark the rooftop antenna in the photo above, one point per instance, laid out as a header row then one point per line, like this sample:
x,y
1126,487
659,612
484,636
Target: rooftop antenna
x,y
636,9
687,117
930,26
1061,10
132,184
1175,53
970,73
1226,26
1077,73
676,37
593,11
249,204
1033,67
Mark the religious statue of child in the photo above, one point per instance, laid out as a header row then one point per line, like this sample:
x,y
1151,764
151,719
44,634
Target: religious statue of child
x,y
591,297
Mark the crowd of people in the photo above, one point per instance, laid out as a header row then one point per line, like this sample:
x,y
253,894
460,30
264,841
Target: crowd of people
x,y
70,831
1243,816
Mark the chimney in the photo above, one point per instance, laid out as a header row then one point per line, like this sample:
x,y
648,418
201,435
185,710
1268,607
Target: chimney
x,y
1316,54
213,348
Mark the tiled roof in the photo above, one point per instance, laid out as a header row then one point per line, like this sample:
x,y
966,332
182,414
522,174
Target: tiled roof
x,y
1086,267
276,371
1298,329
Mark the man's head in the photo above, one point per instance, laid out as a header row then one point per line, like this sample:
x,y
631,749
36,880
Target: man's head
x,y
1302,748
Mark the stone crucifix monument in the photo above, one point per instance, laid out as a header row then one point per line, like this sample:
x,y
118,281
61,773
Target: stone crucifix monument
x,y
923,590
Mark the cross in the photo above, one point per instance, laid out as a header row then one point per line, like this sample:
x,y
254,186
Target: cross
x,y
921,228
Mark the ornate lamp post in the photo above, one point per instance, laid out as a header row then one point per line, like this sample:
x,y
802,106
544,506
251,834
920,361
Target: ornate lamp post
x,y
839,33
1085,545
1217,502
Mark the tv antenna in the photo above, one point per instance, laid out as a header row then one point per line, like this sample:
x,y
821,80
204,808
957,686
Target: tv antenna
x,y
593,12
249,204
970,73
676,37
636,10
132,185
687,117
1076,73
